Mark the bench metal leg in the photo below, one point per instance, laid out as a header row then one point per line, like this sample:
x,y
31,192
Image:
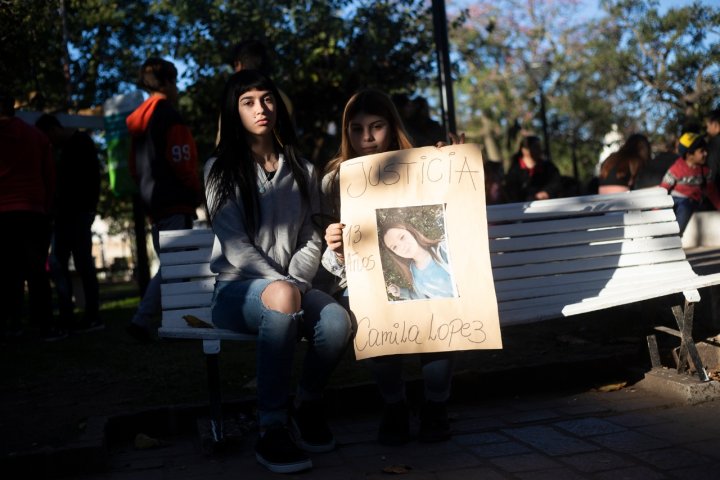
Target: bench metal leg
x,y
684,320
688,350
654,352
211,348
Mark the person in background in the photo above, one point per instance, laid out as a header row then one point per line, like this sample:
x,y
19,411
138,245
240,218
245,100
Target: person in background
x,y
688,179
494,182
619,170
27,187
531,176
253,55
164,164
260,198
652,173
75,206
371,124
712,128
424,130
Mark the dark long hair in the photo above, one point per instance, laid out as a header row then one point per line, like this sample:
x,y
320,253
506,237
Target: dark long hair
x,y
234,167
632,156
403,264
534,145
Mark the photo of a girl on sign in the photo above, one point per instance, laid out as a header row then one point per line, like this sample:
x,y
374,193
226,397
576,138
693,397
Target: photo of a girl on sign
x,y
416,262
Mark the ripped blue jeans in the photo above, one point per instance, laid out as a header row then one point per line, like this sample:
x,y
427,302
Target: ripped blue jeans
x,y
237,305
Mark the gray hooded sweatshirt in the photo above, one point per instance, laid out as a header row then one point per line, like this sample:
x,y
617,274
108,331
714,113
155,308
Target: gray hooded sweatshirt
x,y
286,245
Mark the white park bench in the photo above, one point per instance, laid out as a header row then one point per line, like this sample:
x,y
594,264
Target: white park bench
x,y
550,259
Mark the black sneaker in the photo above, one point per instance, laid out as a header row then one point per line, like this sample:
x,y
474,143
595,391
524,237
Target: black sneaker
x,y
278,453
395,424
310,428
434,423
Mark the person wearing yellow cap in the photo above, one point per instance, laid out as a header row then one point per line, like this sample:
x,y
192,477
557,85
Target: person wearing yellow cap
x,y
689,178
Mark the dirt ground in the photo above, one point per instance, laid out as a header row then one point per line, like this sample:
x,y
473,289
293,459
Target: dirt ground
x,y
51,389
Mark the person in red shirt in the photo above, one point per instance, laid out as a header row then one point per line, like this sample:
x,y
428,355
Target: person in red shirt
x,y
27,180
689,178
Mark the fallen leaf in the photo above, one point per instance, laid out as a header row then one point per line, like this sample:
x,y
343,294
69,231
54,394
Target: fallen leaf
x,y
612,387
195,322
144,442
397,469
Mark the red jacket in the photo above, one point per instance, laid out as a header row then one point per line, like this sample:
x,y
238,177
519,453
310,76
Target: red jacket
x,y
164,159
685,181
27,169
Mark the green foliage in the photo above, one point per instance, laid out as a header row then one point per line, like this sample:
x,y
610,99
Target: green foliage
x,y
322,52
644,70
672,60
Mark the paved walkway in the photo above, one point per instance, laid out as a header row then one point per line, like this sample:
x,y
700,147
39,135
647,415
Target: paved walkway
x,y
630,433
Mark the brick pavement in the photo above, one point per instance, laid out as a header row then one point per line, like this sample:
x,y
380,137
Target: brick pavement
x,y
632,433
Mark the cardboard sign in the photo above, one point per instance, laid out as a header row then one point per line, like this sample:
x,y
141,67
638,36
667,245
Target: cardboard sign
x,y
416,251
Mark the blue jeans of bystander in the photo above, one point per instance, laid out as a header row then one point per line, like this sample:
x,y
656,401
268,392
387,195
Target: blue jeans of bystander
x,y
684,207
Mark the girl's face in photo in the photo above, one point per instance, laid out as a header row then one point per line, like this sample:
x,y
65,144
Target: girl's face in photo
x,y
401,242
369,134
257,111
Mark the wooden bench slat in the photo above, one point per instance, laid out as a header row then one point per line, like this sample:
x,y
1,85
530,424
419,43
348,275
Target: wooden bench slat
x,y
581,223
596,263
204,334
583,294
574,206
600,285
197,270
194,286
548,255
170,239
175,317
612,275
201,255
582,237
186,300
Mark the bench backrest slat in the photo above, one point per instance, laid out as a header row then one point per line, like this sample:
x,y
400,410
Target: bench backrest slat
x,y
646,199
549,238
580,265
183,257
193,270
613,219
537,256
186,300
623,277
